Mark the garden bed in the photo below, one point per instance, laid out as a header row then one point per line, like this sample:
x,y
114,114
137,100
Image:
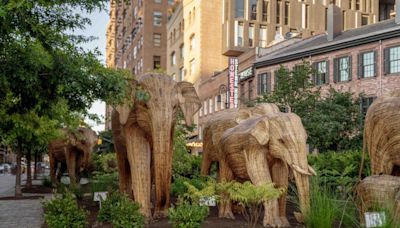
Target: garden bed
x,y
37,189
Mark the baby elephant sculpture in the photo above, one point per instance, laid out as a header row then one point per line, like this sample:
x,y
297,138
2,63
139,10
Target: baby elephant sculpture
x,y
72,152
263,149
143,138
379,192
382,135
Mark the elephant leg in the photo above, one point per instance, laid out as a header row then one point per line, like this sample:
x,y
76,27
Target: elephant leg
x,y
225,205
280,176
78,163
53,169
138,152
60,168
123,172
71,164
258,171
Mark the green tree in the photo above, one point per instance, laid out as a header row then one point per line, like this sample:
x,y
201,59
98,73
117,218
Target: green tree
x,y
332,121
47,81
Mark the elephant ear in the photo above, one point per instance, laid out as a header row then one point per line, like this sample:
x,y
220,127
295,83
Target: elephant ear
x,y
189,101
257,128
260,131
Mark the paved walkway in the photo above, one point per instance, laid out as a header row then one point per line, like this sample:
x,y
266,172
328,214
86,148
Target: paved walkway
x,y
19,213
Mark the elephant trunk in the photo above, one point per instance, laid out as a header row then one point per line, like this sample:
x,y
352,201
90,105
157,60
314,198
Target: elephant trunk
x,y
162,161
303,191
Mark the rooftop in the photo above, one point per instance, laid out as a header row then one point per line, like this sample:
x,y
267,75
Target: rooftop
x,y
319,44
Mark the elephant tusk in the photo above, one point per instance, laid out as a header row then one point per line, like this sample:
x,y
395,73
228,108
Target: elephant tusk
x,y
301,170
312,171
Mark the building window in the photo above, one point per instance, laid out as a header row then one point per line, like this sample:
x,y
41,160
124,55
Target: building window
x,y
157,1
157,40
365,103
321,73
156,62
171,2
239,34
358,5
192,42
307,16
253,9
278,12
205,107
239,8
157,18
173,77
265,10
342,69
250,89
350,4
192,67
173,59
216,103
364,19
264,83
262,39
181,74
211,104
242,93
287,12
251,35
367,64
181,50
392,60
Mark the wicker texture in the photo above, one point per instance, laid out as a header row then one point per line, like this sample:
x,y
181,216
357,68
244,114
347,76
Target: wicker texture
x,y
382,134
379,192
143,134
260,147
72,151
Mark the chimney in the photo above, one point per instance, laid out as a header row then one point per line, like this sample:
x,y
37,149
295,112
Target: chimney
x,y
397,11
335,21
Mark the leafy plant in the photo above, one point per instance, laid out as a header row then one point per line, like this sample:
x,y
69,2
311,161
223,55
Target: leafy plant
x,y
187,215
338,170
252,197
63,212
121,212
104,182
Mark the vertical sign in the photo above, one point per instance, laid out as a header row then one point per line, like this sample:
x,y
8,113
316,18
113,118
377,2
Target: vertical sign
x,y
233,82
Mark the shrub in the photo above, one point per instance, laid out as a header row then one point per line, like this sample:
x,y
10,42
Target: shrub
x,y
104,182
179,188
121,212
105,162
47,182
63,212
338,170
187,215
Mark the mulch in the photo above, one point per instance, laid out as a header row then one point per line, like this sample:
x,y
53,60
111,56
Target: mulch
x,y
37,189
21,198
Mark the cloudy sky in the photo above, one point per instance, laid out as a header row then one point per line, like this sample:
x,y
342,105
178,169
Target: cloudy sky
x,y
97,29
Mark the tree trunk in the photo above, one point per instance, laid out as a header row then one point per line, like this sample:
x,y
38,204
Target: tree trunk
x,y
28,170
36,168
18,192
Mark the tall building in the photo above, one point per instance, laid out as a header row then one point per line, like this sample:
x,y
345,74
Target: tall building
x,y
194,40
251,23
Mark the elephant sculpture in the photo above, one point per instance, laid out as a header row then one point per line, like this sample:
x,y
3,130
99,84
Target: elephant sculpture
x,y
71,152
382,135
379,192
263,149
143,138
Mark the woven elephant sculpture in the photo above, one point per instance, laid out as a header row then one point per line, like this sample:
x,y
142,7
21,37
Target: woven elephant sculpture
x,y
379,192
143,135
382,135
265,149
72,152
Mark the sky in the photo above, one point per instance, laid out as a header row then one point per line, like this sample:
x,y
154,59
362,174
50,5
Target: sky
x,y
97,29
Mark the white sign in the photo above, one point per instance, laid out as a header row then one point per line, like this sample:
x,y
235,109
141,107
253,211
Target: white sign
x,y
99,196
208,201
246,73
233,81
374,219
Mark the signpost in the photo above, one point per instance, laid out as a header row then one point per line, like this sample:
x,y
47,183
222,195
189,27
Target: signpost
x,y
233,81
99,196
374,219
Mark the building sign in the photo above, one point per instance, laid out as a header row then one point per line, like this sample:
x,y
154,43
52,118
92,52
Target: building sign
x,y
233,80
246,73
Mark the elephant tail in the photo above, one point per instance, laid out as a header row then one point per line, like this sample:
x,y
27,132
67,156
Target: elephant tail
x,y
363,154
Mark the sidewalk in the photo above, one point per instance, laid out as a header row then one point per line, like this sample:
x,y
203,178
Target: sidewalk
x,y
19,213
